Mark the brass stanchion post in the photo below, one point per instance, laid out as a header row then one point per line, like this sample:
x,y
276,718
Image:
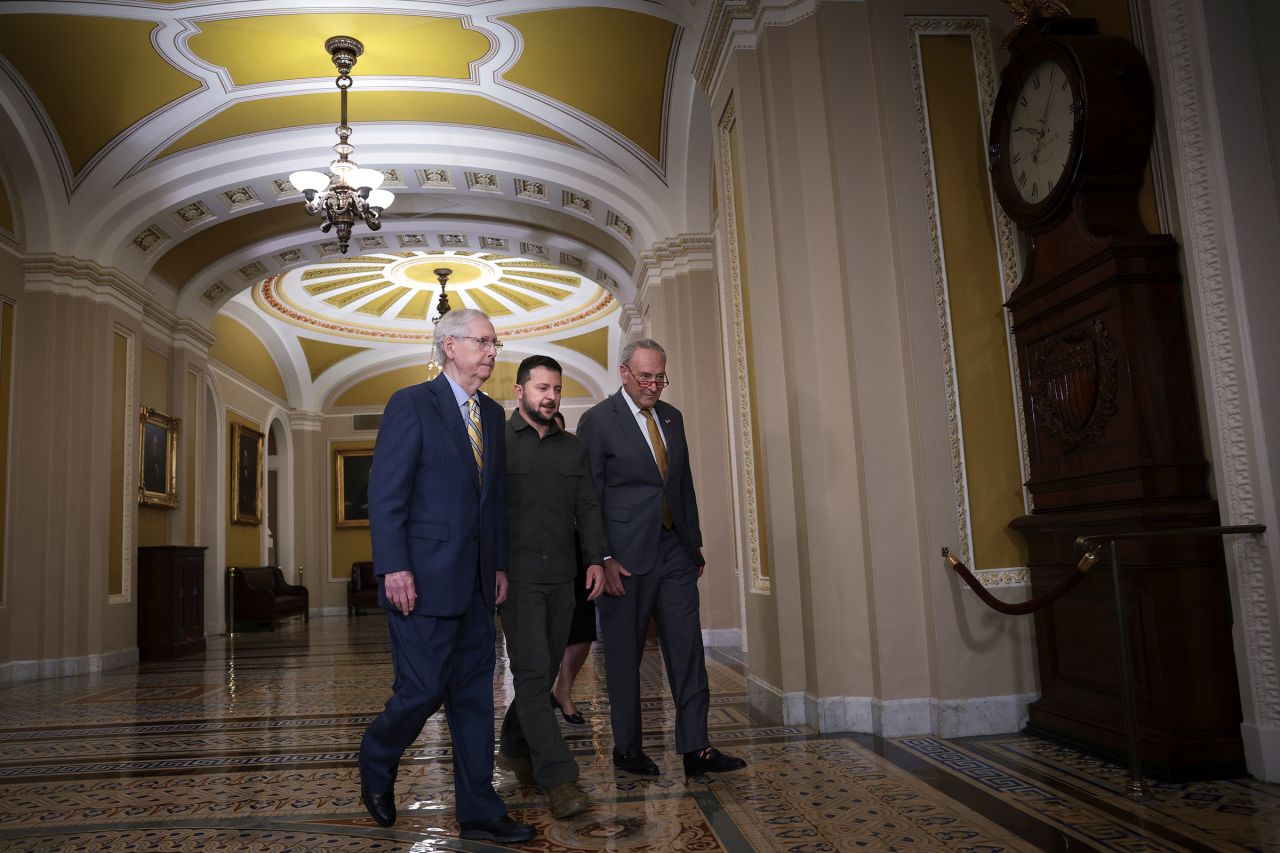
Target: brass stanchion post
x,y
231,601
1137,787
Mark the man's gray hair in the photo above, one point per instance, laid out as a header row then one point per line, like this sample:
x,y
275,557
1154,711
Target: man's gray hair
x,y
454,325
644,343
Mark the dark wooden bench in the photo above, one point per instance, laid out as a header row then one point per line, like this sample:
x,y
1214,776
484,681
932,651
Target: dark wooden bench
x,y
362,588
261,594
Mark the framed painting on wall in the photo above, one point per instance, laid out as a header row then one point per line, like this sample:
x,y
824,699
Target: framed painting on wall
x,y
352,469
246,475
157,459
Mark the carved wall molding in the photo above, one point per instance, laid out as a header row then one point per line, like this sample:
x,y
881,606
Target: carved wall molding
x,y
66,276
746,511
737,25
1233,456
129,480
979,32
673,256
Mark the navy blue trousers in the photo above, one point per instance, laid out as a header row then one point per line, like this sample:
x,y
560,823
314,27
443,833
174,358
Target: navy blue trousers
x,y
440,661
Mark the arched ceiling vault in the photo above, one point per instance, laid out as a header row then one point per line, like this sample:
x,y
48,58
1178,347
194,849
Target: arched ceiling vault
x,y
157,138
163,120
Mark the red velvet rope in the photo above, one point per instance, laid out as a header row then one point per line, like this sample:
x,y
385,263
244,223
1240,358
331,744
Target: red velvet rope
x,y
1024,607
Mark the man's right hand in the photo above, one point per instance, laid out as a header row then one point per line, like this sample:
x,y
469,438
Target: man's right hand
x,y
614,572
400,591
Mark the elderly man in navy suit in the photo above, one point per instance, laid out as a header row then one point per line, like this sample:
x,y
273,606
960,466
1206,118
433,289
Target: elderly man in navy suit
x,y
438,518
640,463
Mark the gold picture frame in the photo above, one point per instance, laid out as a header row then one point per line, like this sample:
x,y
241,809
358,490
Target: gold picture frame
x,y
246,474
352,468
157,459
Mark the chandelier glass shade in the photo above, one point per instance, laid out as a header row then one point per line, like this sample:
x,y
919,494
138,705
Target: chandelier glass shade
x,y
348,193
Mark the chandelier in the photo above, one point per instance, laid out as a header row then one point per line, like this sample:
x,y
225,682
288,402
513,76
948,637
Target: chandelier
x,y
352,192
443,306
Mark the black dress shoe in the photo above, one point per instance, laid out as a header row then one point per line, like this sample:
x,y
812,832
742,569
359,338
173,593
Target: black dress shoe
x,y
635,762
710,760
575,718
382,807
503,830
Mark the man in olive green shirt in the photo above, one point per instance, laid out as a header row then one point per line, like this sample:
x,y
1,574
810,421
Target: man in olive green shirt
x,y
550,496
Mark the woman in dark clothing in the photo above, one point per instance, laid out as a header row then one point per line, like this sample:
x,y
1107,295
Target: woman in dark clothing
x,y
582,633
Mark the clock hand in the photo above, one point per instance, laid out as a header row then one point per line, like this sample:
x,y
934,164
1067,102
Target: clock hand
x,y
1029,130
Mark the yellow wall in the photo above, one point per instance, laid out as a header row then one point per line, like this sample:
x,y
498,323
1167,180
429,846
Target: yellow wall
x,y
6,385
152,520
978,325
244,541
239,349
349,543
119,373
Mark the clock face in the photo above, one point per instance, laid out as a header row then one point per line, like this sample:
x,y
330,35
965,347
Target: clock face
x,y
1041,131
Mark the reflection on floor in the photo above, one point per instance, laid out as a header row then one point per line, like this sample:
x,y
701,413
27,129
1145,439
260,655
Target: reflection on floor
x,y
251,748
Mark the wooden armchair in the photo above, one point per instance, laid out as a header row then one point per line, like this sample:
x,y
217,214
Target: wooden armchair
x,y
261,594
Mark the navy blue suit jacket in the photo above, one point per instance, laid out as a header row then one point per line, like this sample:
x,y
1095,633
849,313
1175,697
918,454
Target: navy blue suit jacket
x,y
630,488
427,512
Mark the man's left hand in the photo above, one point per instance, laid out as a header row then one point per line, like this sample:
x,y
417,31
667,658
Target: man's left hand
x,y
703,566
595,582
500,588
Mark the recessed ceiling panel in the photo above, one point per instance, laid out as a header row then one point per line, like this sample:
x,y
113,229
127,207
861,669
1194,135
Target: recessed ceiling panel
x,y
610,64
95,77
292,111
268,48
397,303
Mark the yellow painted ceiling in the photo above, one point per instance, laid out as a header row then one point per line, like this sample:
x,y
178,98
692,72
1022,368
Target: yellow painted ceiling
x,y
321,355
190,256
95,77
290,111
594,345
241,350
392,302
267,48
608,63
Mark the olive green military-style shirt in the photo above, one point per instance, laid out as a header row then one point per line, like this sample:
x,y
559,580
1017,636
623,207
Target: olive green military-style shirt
x,y
550,495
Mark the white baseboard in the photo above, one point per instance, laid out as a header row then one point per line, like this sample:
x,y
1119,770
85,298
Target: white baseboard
x,y
981,715
1262,751
722,637
30,670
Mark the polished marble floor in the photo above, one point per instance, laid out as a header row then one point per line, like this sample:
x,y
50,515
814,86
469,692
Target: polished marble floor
x,y
251,748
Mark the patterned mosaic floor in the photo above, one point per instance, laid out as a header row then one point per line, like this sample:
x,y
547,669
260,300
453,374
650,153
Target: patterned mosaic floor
x,y
251,748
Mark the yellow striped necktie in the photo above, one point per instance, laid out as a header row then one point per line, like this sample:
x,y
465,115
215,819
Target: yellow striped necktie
x,y
660,456
477,438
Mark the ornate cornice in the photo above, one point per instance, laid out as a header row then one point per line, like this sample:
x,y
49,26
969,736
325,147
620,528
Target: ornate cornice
x,y
306,421
674,256
67,276
737,25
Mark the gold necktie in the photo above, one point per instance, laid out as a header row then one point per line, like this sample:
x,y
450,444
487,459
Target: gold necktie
x,y
659,453
477,438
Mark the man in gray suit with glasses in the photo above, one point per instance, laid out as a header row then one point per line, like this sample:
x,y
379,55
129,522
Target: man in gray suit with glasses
x,y
640,464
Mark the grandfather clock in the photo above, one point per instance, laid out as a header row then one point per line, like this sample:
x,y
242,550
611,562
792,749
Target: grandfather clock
x,y
1110,411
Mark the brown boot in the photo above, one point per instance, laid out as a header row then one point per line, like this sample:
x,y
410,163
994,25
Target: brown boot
x,y
519,766
567,801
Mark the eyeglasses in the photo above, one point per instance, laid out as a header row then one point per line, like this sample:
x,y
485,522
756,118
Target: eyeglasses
x,y
659,381
485,343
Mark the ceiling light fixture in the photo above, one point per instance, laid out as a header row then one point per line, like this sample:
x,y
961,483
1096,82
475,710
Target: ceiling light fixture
x,y
443,306
352,191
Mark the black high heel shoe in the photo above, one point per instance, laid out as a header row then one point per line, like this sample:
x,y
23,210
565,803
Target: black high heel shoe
x,y
575,718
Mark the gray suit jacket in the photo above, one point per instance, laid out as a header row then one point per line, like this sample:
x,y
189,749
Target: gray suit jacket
x,y
630,489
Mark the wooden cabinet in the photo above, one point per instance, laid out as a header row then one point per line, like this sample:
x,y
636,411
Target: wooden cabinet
x,y
170,602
